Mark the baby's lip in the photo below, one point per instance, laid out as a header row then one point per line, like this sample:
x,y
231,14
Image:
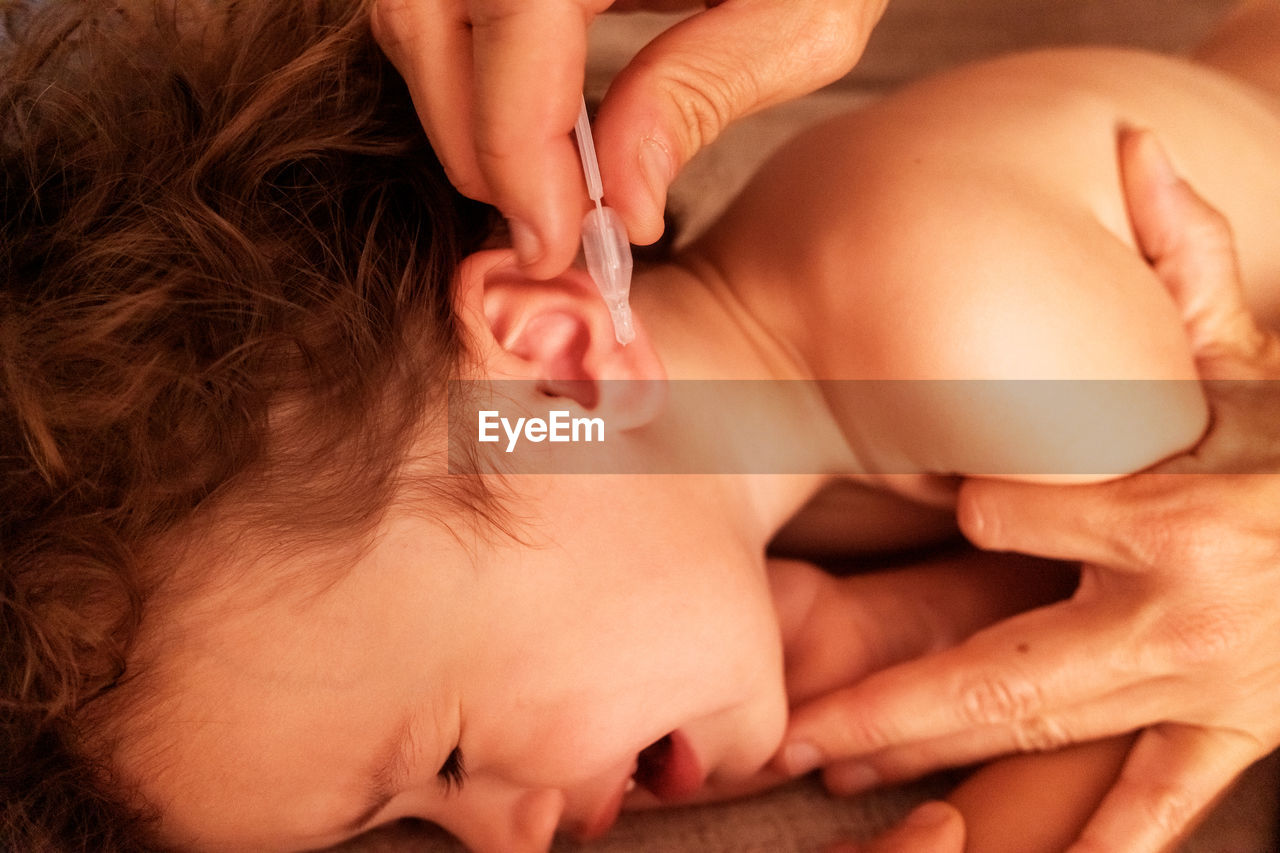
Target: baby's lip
x,y
669,768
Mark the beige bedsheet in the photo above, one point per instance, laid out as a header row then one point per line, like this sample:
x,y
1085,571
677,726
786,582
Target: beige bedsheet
x,y
915,37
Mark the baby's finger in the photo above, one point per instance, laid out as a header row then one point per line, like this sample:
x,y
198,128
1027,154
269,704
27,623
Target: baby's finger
x,y
1171,778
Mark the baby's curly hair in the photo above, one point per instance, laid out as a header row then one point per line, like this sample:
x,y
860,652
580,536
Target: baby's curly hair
x,y
218,217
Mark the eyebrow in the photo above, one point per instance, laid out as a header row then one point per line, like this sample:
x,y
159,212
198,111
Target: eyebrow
x,y
388,772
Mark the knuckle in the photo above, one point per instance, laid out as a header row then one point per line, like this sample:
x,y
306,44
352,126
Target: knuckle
x,y
703,102
1169,808
994,700
824,44
498,151
703,109
1204,637
859,733
500,12
1040,734
468,182
1149,545
1200,548
389,20
474,189
1180,538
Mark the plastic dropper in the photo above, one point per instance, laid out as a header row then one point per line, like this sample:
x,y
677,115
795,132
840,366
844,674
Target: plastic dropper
x,y
604,238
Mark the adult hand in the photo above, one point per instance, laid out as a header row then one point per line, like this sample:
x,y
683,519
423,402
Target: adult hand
x,y
497,85
1174,628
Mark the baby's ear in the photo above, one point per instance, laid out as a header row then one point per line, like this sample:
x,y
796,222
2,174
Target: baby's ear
x,y
558,335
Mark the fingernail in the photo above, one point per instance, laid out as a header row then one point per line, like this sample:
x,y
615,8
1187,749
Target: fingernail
x,y
800,757
929,815
525,241
849,779
658,171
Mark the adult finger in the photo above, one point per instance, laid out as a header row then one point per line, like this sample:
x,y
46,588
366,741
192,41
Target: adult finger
x,y
685,86
497,85
1191,246
1095,719
1034,682
1100,716
1004,515
837,630
1156,523
529,60
1172,776
430,45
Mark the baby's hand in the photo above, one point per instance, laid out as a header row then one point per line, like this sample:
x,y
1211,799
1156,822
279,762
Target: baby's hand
x,y
838,630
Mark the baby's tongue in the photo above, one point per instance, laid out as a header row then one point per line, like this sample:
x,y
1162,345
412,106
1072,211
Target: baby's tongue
x,y
668,769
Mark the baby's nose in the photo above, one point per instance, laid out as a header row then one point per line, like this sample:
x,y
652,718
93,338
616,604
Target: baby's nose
x,y
523,823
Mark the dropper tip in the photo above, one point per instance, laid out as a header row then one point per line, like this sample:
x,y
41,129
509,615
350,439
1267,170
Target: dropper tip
x,y
622,328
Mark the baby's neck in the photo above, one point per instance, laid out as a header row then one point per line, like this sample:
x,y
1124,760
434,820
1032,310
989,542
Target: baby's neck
x,y
703,332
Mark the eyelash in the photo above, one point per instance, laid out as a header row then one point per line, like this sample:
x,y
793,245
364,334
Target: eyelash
x,y
453,772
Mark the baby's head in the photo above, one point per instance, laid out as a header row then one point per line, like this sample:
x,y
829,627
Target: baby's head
x,y
243,604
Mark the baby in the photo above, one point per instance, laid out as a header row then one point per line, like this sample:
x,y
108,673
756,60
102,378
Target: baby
x,y
252,599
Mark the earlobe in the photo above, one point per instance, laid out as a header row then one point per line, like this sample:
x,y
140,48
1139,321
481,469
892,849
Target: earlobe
x,y
557,335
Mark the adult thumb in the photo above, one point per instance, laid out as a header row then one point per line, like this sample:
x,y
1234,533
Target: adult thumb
x,y
1192,249
683,88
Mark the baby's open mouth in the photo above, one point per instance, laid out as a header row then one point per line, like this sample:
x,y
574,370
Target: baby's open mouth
x,y
668,768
